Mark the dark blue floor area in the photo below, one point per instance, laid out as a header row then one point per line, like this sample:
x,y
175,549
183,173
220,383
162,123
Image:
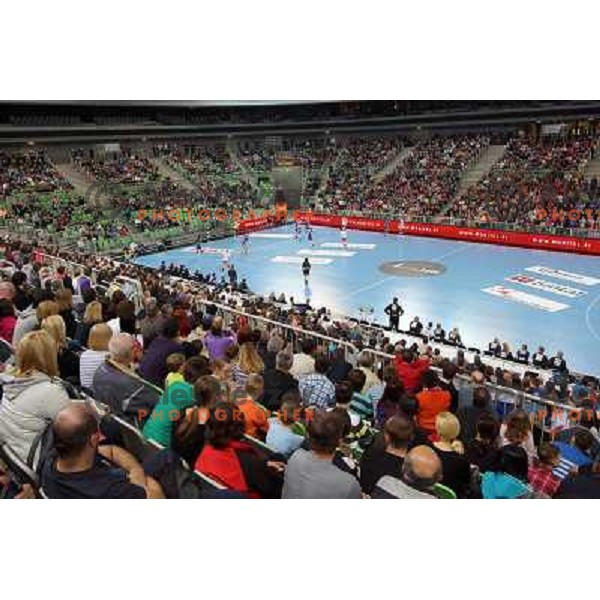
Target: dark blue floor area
x,y
454,298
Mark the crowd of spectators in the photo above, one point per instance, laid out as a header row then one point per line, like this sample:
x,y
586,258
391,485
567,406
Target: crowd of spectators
x,y
532,175
116,167
335,425
30,171
427,180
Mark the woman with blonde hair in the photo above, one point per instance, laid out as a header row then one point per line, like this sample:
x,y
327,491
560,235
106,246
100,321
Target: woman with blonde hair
x,y
32,397
68,361
91,316
96,353
456,470
248,360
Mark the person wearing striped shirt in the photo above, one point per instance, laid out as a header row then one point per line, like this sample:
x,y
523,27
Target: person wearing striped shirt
x,y
96,353
574,456
316,388
361,404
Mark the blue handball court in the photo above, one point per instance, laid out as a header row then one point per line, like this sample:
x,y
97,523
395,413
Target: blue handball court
x,y
521,296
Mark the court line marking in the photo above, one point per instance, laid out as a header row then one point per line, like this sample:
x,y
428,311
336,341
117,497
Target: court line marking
x,y
587,317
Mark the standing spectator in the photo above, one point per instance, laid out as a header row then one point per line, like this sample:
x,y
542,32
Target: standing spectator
x,y
394,311
484,450
365,364
64,299
432,400
469,416
311,473
410,371
152,323
390,404
449,371
316,389
340,367
216,341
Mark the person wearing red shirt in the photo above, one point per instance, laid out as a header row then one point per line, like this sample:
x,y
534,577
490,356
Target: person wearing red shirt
x,y
432,400
411,370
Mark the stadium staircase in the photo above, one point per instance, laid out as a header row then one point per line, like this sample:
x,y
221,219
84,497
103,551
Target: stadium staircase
x,y
167,172
592,169
77,179
393,164
245,173
476,172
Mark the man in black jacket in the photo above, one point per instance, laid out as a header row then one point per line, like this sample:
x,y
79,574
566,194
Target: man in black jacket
x,y
394,311
278,381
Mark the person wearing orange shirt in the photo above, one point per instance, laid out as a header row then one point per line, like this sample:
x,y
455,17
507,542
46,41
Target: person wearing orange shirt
x,y
432,400
255,415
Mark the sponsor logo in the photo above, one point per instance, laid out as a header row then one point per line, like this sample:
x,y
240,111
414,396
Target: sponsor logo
x,y
412,268
566,275
527,299
547,286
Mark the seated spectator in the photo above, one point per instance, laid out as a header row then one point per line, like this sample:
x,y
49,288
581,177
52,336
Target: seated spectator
x,y
278,381
509,480
311,473
574,456
410,371
30,321
8,320
75,470
387,458
558,363
523,354
32,397
316,388
175,364
540,360
583,485
456,472
439,334
446,382
68,361
340,367
484,450
304,362
173,403
153,366
390,404
344,393
248,360
432,400
189,431
365,364
469,416
375,394
280,436
64,299
518,430
95,355
152,323
421,470
216,341
361,404
117,385
415,327
91,317
255,415
233,462
541,477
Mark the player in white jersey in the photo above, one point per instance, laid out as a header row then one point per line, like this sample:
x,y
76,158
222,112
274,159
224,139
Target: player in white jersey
x,y
344,236
225,259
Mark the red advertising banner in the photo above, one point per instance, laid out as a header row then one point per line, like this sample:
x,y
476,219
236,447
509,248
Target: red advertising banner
x,y
252,224
538,241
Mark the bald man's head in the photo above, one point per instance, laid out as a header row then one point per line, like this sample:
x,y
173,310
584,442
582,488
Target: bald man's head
x,y
73,427
422,468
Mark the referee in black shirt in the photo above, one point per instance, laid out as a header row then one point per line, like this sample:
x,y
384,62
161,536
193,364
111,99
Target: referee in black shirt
x,y
394,311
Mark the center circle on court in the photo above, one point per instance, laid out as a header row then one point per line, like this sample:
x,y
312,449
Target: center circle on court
x,y
412,268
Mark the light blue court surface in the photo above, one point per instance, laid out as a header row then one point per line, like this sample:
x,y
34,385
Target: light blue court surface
x,y
557,305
